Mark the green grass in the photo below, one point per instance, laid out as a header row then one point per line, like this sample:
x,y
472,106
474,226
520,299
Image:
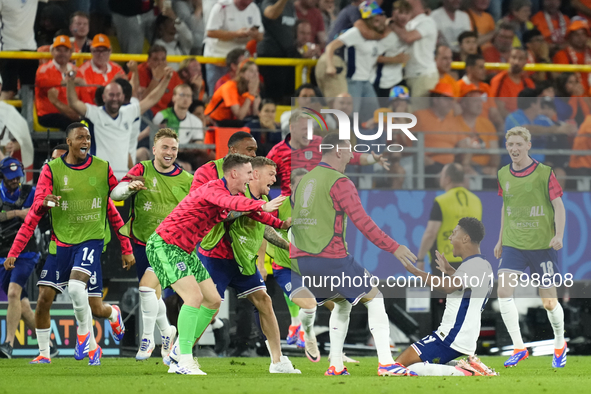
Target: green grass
x,y
250,375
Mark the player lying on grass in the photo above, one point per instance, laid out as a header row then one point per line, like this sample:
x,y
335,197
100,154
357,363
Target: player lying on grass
x,y
74,186
467,290
324,199
155,187
171,253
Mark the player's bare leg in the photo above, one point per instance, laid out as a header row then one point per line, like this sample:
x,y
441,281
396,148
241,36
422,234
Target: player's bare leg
x,y
13,313
279,363
510,317
556,317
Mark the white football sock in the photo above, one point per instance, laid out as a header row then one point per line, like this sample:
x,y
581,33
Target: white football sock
x,y
113,316
216,324
295,320
426,369
379,326
556,317
79,297
161,319
338,325
510,317
149,307
307,317
43,341
92,343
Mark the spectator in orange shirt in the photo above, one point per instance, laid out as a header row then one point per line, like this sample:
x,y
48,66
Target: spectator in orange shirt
x,y
500,49
552,24
580,165
576,51
436,121
234,58
151,73
482,133
443,57
51,101
583,7
482,21
79,27
99,71
569,91
236,99
190,73
507,84
475,74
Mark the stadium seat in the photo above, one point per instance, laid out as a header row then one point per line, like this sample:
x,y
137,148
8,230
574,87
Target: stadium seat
x,y
279,110
36,126
220,136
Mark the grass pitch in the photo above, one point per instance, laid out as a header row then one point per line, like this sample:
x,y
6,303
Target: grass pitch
x,y
250,375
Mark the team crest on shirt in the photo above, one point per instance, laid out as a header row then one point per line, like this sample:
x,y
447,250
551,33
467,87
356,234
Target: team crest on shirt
x,y
176,191
528,186
181,266
43,274
249,19
92,181
308,155
126,125
288,286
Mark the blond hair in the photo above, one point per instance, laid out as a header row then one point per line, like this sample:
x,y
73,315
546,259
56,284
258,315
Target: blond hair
x,y
166,133
261,161
519,131
296,115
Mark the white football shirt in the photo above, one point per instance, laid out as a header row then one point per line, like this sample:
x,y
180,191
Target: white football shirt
x,y
190,128
111,137
451,30
361,55
460,325
422,51
225,16
17,20
389,74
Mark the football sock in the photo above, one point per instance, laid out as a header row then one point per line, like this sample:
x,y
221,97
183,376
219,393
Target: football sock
x,y
426,369
79,297
161,319
113,315
339,324
294,311
149,306
186,325
43,341
216,324
307,317
379,326
510,317
556,317
203,320
92,342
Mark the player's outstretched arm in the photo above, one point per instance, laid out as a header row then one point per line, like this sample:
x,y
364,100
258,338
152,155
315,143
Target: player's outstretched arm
x,y
559,223
405,256
367,159
275,239
443,265
434,281
499,245
274,204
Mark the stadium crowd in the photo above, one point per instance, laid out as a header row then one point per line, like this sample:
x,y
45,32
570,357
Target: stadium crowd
x,y
395,55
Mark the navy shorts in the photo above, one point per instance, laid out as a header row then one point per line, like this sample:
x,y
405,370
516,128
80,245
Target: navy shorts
x,y
23,266
289,281
541,262
85,258
432,349
141,260
50,276
225,272
329,279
